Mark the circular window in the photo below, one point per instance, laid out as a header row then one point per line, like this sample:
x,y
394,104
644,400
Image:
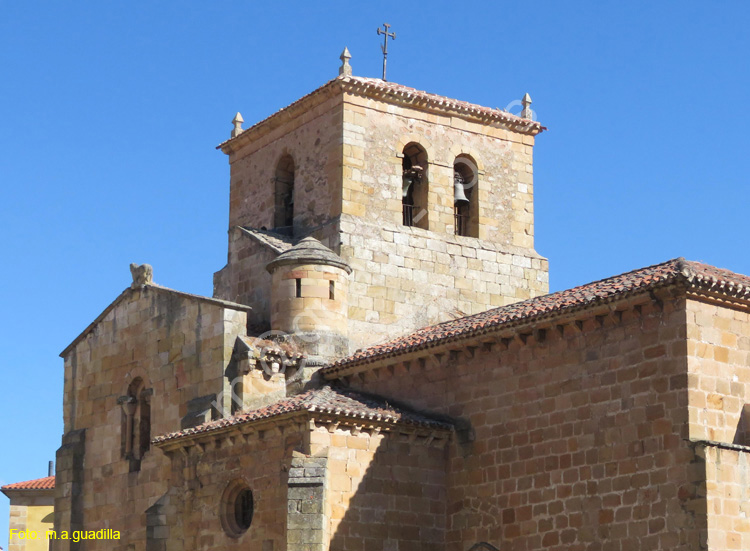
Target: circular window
x,y
237,508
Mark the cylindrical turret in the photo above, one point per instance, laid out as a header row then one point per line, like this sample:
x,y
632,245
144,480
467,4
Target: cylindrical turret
x,y
309,286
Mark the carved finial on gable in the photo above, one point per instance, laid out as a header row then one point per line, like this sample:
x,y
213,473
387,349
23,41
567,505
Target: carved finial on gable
x,y
143,274
526,112
345,70
237,122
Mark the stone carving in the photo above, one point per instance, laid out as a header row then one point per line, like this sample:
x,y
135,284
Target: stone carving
x,y
143,274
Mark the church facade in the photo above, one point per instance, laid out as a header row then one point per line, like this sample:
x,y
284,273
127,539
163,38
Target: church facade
x,y
381,366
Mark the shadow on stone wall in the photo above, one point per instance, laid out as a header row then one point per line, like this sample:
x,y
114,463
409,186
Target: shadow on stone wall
x,y
397,503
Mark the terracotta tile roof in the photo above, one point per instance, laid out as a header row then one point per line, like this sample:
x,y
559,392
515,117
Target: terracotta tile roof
x,y
381,87
327,400
692,273
46,483
398,93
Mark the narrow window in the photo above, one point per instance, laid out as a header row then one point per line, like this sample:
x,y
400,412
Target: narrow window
x,y
331,290
243,509
136,429
284,195
414,186
144,423
465,197
298,283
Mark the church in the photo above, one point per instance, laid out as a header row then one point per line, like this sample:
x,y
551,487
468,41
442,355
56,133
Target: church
x,y
382,368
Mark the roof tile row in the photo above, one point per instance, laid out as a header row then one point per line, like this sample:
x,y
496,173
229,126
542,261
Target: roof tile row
x,y
327,400
694,273
46,483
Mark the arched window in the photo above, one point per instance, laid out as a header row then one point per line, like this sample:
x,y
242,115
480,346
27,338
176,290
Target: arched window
x,y
136,422
465,196
414,186
284,194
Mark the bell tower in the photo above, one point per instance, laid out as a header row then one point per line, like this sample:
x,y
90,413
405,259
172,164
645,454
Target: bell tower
x,y
428,200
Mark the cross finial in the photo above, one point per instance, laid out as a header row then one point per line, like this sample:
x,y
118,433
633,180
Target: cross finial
x,y
237,122
384,47
345,70
526,112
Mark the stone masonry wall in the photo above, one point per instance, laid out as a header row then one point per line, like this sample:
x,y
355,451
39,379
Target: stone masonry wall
x,y
404,278
728,497
245,279
374,136
180,346
719,394
719,371
385,490
262,459
314,141
573,433
30,512
306,506
407,277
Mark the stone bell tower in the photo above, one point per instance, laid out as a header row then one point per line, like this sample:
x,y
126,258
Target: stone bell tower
x,y
428,200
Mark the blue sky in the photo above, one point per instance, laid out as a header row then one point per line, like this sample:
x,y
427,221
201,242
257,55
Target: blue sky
x,y
110,112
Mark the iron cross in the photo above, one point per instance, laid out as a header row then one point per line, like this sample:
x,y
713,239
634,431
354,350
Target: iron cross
x,y
384,47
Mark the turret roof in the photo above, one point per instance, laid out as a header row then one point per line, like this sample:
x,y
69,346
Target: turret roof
x,y
309,251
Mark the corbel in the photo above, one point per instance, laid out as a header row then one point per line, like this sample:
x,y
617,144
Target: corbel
x,y
247,435
659,302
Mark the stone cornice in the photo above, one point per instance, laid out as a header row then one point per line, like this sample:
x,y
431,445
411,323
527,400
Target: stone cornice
x,y
387,92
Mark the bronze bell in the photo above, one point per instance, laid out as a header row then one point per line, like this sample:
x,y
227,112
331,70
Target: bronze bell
x,y
411,176
459,193
406,183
